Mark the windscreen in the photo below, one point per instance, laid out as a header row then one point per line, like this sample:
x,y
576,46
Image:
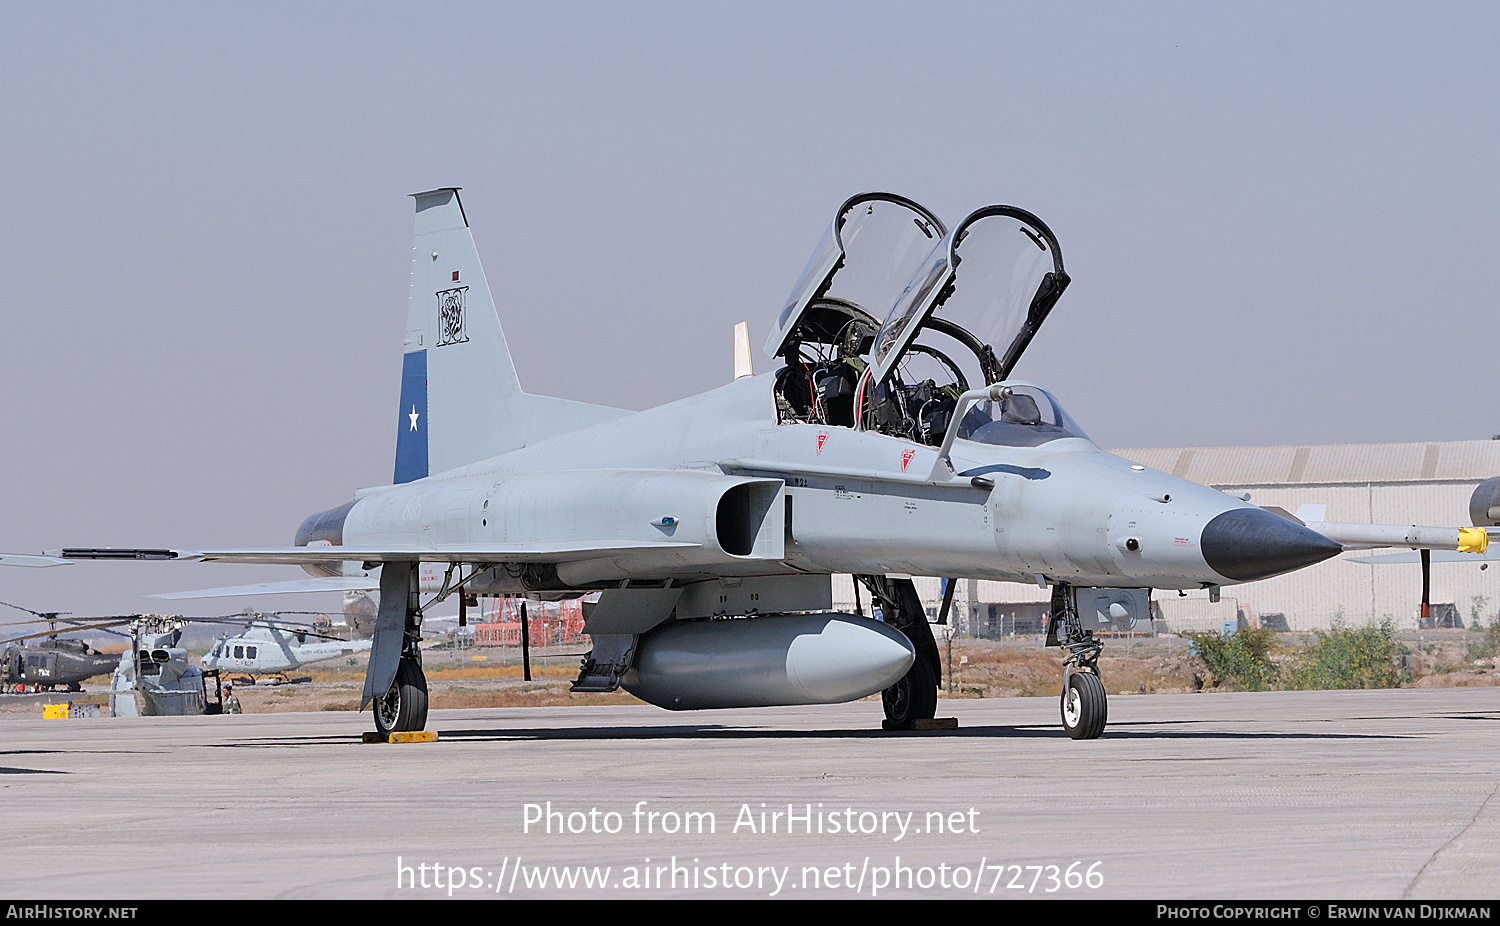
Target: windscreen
x,y
1028,417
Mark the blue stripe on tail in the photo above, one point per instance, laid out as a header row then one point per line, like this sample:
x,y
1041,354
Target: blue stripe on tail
x,y
411,427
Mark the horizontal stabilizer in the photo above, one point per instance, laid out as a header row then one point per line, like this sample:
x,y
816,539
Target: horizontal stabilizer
x,y
323,584
392,553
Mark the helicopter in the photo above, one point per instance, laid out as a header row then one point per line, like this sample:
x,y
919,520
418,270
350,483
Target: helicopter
x,y
154,678
269,648
51,663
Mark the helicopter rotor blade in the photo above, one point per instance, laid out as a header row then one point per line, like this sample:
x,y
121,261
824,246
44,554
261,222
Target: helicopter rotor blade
x,y
41,614
53,633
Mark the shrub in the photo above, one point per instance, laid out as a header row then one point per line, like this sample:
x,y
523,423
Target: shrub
x,y
1488,645
1351,657
1242,659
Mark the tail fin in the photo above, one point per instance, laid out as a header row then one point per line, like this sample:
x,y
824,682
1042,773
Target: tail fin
x,y
461,401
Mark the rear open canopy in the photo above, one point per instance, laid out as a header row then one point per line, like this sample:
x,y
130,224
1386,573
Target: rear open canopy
x,y
869,252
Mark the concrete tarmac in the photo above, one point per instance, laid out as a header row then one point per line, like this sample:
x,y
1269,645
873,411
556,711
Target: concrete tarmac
x,y
1331,795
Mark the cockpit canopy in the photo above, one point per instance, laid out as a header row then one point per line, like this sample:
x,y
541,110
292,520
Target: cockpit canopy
x,y
869,252
994,278
894,317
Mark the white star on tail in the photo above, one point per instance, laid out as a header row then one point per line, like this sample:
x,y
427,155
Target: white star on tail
x,y
413,416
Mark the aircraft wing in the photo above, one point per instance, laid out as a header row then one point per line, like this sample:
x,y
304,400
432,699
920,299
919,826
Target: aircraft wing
x,y
384,553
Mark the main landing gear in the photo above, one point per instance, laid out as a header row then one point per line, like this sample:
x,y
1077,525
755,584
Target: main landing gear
x,y
403,708
911,699
1085,707
395,644
915,696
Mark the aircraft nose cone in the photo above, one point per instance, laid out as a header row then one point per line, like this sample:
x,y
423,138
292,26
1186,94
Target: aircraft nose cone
x,y
1246,544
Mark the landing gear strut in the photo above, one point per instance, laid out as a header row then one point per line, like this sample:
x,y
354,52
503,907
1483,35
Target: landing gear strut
x,y
915,696
1085,707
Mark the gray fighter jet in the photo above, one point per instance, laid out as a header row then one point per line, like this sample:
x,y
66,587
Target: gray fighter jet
x,y
890,442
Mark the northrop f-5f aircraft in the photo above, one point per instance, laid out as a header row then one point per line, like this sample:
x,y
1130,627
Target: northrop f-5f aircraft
x,y
889,443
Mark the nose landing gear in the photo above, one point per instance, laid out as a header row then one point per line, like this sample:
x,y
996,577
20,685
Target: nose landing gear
x,y
1085,706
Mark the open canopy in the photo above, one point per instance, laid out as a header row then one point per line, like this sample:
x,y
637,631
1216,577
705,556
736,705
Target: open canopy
x,y
989,283
872,247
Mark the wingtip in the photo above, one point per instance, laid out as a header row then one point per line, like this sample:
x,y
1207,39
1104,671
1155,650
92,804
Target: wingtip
x,y
31,560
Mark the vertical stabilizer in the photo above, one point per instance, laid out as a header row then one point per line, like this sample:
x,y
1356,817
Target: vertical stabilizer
x,y
461,401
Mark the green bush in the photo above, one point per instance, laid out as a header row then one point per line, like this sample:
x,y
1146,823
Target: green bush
x,y
1488,645
1351,657
1241,659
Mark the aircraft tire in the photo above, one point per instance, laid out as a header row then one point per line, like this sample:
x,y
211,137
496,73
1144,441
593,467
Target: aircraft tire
x,y
404,707
1085,708
912,698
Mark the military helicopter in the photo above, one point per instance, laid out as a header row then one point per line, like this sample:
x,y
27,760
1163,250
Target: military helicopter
x,y
890,442
154,678
267,648
51,663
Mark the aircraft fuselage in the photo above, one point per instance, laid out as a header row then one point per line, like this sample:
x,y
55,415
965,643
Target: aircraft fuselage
x,y
840,500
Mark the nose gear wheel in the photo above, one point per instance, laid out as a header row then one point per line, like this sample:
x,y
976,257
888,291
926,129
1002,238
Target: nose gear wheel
x,y
1084,706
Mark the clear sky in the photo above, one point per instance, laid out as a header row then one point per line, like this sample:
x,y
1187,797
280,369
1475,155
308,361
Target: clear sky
x,y
1279,220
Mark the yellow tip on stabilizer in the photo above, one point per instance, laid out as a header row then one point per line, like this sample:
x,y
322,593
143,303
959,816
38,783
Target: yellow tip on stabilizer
x,y
1472,540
